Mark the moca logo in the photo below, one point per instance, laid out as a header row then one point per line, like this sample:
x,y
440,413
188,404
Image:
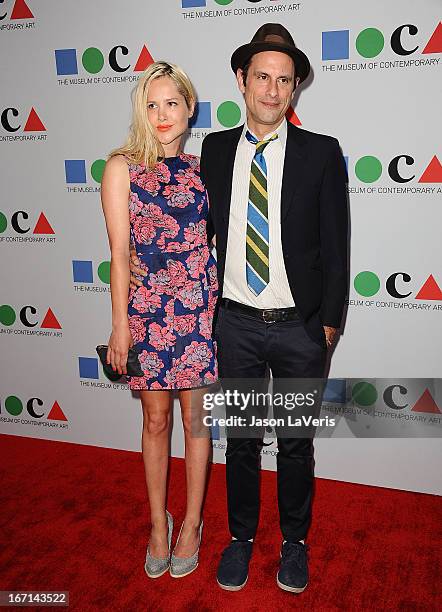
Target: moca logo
x,y
405,40
222,8
228,114
400,169
83,272
93,60
367,284
202,3
12,121
29,317
89,368
365,394
20,11
19,222
34,407
77,172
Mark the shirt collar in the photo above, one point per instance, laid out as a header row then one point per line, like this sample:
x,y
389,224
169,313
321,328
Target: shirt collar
x,y
281,131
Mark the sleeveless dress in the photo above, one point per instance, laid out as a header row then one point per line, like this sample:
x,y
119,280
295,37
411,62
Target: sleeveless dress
x,y
170,316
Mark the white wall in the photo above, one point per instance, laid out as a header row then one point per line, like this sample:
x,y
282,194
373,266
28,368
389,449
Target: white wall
x,y
390,108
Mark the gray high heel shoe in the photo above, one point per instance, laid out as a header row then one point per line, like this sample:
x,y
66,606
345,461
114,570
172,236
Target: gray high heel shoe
x,y
182,566
156,567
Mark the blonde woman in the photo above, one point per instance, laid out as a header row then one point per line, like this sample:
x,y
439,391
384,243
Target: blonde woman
x,y
153,197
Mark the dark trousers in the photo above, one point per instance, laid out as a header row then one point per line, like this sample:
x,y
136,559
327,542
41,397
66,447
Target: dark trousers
x,y
247,348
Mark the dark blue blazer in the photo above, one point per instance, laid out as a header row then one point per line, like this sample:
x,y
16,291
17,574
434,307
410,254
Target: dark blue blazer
x,y
314,219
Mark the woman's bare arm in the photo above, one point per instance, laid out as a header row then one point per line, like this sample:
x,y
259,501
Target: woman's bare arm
x,y
115,188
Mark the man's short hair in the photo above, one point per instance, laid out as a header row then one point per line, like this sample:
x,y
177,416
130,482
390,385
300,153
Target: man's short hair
x,y
245,70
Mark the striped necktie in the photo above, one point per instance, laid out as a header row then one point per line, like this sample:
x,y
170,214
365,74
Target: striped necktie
x,y
257,235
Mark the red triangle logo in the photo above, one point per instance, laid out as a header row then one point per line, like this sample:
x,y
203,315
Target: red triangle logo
x,y
34,123
50,321
434,45
430,290
426,403
292,116
433,172
56,413
21,10
144,60
43,226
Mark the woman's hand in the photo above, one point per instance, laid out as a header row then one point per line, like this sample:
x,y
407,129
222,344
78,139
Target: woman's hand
x,y
119,343
135,271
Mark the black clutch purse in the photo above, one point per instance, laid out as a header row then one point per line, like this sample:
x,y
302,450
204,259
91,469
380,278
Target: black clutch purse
x,y
133,366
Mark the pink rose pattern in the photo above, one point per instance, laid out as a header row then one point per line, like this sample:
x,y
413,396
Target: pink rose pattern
x,y
144,300
149,179
205,324
170,316
160,337
137,328
197,262
184,324
178,195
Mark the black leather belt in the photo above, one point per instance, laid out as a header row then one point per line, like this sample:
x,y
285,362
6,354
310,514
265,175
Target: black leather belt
x,y
269,315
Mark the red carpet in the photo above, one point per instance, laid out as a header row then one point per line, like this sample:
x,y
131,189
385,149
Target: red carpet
x,y
75,518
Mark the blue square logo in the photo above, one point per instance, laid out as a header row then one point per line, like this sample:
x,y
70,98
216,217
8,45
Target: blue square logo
x,y
192,3
335,391
88,367
82,271
202,117
66,61
214,431
75,170
335,45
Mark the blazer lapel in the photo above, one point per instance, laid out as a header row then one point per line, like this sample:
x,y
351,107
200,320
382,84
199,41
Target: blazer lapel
x,y
227,175
294,164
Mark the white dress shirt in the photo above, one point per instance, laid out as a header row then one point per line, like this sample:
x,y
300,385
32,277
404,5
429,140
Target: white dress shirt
x,y
277,294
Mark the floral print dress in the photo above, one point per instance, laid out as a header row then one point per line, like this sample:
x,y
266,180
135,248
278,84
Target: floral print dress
x,y
170,316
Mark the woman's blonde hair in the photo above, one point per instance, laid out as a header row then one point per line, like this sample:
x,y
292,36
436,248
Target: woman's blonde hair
x,y
142,145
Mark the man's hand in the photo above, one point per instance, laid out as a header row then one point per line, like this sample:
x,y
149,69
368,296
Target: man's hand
x,y
330,334
134,263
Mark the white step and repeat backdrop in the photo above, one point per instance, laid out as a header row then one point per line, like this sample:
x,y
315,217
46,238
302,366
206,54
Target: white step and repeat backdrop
x,y
67,72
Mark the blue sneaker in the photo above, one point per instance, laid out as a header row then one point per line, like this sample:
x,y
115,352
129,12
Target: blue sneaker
x,y
293,571
233,569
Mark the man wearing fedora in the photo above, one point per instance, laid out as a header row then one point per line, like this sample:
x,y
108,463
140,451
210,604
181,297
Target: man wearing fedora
x,y
278,207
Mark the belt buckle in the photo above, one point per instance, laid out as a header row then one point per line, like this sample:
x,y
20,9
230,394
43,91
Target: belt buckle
x,y
268,315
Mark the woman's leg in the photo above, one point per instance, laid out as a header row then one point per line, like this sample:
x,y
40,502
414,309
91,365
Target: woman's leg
x,y
155,444
197,454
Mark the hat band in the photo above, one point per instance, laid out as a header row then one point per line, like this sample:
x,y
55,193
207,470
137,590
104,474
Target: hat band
x,y
275,38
